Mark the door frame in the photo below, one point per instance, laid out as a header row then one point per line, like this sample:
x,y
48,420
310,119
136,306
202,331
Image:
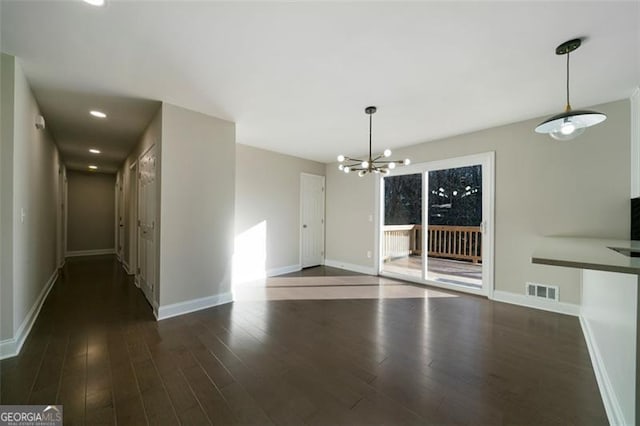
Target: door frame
x,y
132,261
487,161
65,221
155,290
324,217
118,243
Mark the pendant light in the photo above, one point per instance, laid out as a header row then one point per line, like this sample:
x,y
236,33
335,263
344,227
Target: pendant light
x,y
571,123
377,164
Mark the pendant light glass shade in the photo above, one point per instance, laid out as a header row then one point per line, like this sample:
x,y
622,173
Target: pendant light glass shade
x,y
571,123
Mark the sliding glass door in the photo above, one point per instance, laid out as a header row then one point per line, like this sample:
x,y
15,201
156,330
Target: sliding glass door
x,y
454,237
402,225
436,223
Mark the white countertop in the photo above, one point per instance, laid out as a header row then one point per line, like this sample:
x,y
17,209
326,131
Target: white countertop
x,y
587,253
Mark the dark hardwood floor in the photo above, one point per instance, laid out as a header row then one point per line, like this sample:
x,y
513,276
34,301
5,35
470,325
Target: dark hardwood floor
x,y
97,349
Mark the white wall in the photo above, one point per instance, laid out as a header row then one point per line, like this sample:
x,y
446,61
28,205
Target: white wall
x,y
608,317
543,187
350,205
7,73
151,136
31,194
268,193
197,206
90,211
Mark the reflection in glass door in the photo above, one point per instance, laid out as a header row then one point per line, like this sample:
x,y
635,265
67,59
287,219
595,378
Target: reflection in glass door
x,y
454,237
402,237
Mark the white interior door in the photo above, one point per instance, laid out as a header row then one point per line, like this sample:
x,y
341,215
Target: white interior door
x,y
312,220
60,224
147,230
132,227
120,218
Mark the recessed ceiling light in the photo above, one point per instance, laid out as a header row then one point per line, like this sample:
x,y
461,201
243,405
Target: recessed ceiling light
x,y
95,2
94,151
92,167
98,114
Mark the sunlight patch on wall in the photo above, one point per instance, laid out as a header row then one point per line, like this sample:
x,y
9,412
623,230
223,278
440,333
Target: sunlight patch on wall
x,y
250,254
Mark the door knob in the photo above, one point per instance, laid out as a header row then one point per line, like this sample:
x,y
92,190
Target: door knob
x,y
304,226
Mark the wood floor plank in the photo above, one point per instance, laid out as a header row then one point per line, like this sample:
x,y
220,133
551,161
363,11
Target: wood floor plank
x,y
435,359
209,397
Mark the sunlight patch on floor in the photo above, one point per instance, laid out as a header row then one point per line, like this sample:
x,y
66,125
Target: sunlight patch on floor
x,y
325,288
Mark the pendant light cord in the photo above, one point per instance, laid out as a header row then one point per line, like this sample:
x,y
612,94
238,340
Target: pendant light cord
x,y
568,107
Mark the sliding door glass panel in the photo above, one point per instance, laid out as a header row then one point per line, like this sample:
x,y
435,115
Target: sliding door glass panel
x,y
402,230
454,216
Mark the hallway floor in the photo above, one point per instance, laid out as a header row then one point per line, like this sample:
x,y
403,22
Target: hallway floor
x,y
435,359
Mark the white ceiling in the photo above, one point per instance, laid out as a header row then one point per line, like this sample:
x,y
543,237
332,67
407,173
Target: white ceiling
x,y
295,77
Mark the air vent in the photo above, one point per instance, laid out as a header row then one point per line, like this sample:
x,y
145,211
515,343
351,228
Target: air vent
x,y
543,291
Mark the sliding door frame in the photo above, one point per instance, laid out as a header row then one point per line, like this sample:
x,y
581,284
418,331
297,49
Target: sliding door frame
x,y
487,161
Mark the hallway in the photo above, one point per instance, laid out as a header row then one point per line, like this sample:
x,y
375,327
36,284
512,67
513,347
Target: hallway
x,y
439,358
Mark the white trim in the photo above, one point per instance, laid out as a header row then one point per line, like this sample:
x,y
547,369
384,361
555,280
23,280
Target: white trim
x,y
635,142
126,267
133,216
100,252
611,403
369,270
487,161
154,308
66,215
378,223
536,303
283,270
438,284
11,347
193,305
116,230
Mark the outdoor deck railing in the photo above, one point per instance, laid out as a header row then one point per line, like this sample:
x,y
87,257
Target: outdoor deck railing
x,y
453,242
402,241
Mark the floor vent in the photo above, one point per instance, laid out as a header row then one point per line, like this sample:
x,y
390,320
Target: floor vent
x,y
543,291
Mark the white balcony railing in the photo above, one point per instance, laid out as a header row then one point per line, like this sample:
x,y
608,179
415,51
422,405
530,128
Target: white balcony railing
x,y
452,242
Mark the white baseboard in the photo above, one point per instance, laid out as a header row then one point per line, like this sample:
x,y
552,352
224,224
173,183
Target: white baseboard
x,y
154,308
611,403
536,303
127,268
283,270
369,270
89,252
11,347
188,306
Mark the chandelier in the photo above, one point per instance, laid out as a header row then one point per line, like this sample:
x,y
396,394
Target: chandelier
x,y
377,164
571,123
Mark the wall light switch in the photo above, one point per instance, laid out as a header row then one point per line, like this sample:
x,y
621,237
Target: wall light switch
x,y
23,213
369,254
370,218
